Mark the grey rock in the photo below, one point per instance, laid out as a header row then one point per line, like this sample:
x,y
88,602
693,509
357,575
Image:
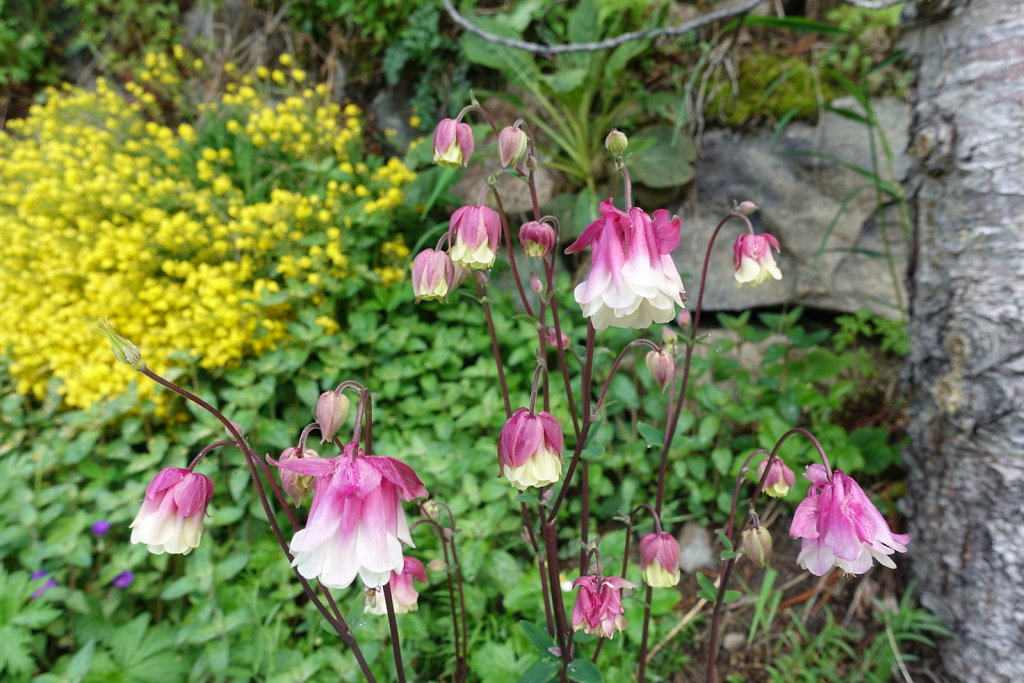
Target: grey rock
x,y
695,551
833,229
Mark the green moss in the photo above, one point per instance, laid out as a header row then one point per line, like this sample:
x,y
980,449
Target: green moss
x,y
769,87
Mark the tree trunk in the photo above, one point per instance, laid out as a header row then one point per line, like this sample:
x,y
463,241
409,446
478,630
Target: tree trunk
x,y
966,374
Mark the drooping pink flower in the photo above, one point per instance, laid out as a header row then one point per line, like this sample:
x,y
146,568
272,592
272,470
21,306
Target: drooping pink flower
x,y
841,527
294,484
530,449
432,275
537,238
171,518
474,232
779,480
598,609
659,560
752,258
404,595
633,281
356,524
453,143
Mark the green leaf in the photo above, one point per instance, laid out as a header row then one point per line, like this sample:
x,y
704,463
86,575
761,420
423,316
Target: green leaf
x,y
542,672
721,458
652,435
584,671
707,590
539,637
663,164
565,80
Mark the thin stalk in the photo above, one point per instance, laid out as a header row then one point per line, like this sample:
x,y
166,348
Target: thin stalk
x,y
481,290
396,648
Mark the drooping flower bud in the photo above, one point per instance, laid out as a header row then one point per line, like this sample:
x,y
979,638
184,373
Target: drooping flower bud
x,y
659,560
555,339
296,485
752,258
746,208
453,143
535,284
404,595
684,318
512,146
537,239
331,411
662,366
124,350
530,449
757,544
616,142
171,518
475,231
779,478
432,275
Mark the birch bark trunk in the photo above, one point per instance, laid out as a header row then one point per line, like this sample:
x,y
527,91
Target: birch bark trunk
x,y
966,374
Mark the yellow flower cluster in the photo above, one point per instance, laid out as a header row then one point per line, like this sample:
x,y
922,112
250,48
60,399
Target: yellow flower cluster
x,y
187,238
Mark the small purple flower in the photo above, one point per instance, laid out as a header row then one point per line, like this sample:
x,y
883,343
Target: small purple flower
x,y
50,583
100,527
123,580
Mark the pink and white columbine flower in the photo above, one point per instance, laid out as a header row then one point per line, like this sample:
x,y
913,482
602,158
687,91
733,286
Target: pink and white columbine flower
x,y
598,609
841,527
171,518
404,595
356,524
474,232
633,281
752,258
659,560
453,143
432,275
530,449
779,480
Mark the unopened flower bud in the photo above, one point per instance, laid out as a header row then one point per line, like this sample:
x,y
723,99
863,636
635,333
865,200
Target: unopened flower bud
x,y
436,565
684,318
331,411
431,510
662,366
124,350
746,208
535,283
296,485
537,239
616,142
757,545
512,146
555,339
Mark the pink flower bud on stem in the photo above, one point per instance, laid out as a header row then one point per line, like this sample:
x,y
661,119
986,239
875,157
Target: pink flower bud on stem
x,y
512,146
662,367
453,143
331,412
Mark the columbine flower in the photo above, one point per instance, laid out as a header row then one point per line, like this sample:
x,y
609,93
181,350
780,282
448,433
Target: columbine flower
x,y
100,527
841,527
474,233
404,596
356,524
752,258
432,275
512,146
171,518
598,609
331,411
633,281
453,143
530,449
537,239
123,580
296,485
659,560
780,478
